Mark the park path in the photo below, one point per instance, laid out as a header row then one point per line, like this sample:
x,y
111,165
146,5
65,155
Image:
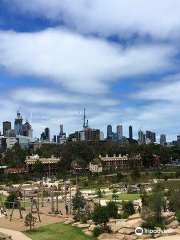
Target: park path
x,y
16,235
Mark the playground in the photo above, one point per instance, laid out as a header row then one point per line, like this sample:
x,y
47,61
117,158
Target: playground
x,y
48,203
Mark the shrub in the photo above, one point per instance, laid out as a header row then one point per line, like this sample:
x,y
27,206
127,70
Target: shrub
x,y
128,208
99,230
100,215
178,216
10,199
84,219
112,209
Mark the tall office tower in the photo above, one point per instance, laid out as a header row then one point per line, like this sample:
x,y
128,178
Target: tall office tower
x,y
47,133
61,129
6,126
130,133
141,137
18,124
151,136
27,129
109,132
119,132
163,139
178,139
54,138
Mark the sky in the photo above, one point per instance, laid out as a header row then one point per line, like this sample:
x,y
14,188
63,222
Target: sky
x,y
118,59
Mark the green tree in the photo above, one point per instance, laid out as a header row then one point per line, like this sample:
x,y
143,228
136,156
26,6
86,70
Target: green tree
x,y
119,176
128,208
174,202
147,156
135,173
38,169
30,221
99,194
164,155
112,209
78,203
100,215
9,200
114,195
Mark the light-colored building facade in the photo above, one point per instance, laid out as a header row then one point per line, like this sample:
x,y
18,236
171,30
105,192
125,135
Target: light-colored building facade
x,y
114,162
119,132
49,164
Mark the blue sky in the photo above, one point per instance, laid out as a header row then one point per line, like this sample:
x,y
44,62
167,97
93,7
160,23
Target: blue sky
x,y
119,60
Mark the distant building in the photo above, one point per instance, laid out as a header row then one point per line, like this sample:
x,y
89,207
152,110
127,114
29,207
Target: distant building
x,y
119,132
45,136
88,134
130,133
27,129
151,136
109,132
61,138
18,124
54,139
113,163
178,139
49,164
6,126
47,133
162,139
141,137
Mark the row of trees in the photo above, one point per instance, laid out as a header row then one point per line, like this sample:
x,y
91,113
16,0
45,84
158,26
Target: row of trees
x,y
85,152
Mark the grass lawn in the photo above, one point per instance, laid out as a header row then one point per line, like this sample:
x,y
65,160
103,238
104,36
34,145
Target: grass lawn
x,y
171,184
124,196
57,231
95,186
4,198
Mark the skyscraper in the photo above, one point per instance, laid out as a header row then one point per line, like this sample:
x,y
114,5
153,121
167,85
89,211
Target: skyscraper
x,y
18,124
109,132
6,126
141,137
47,133
130,133
178,140
119,132
151,136
162,139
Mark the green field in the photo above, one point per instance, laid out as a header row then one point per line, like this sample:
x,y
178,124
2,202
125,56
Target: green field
x,y
124,197
57,231
95,186
171,184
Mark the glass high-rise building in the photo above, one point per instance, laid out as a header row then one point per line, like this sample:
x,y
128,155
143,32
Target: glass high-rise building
x,y
6,126
163,139
130,133
119,132
109,132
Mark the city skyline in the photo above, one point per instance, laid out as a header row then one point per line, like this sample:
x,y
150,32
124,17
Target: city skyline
x,y
57,59
26,129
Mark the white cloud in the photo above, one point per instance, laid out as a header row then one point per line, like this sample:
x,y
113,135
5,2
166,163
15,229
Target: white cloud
x,y
80,64
158,18
165,90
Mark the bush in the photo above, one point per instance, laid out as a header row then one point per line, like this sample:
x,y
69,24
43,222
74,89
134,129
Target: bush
x,y
9,201
100,215
112,209
99,230
84,219
178,216
128,208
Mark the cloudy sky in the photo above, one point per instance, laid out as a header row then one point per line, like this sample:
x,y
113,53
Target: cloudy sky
x,y
118,59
